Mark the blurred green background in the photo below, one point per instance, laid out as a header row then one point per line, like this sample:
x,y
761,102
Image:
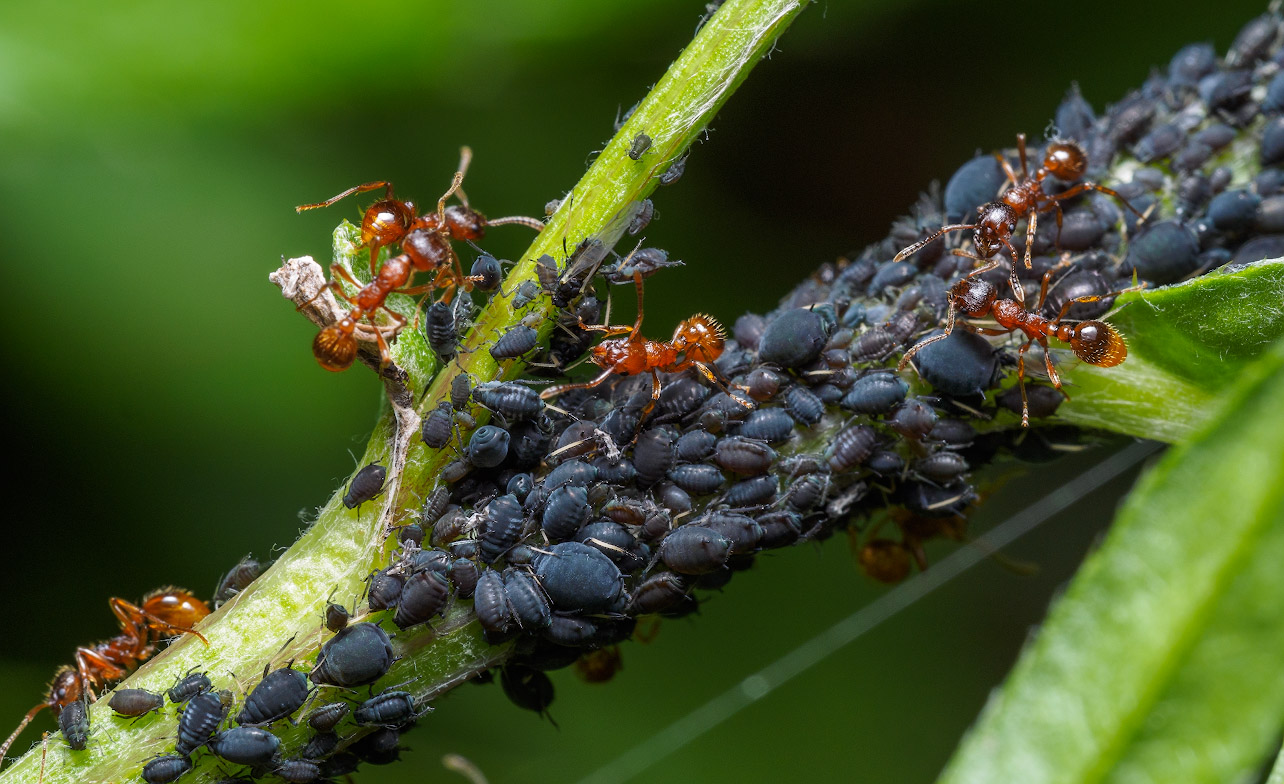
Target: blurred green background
x,y
167,417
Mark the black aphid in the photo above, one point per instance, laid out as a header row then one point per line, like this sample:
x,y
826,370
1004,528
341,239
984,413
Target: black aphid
x,y
365,485
358,655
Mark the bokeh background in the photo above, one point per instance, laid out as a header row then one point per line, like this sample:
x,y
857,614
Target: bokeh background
x,y
166,417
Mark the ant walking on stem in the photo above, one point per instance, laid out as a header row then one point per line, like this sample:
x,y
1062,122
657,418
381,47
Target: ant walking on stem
x,y
167,611
1094,342
1024,198
696,343
425,245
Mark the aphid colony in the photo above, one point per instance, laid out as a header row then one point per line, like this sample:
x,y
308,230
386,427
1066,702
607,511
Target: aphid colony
x,y
579,511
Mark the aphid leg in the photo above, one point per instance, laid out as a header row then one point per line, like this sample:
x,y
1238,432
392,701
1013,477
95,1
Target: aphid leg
x,y
912,249
369,186
949,327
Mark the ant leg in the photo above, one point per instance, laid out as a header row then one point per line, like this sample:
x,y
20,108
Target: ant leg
x,y
139,612
1017,289
369,186
637,325
1096,298
650,404
949,327
1047,278
22,725
1025,170
912,249
465,157
1007,168
986,266
520,220
1029,235
104,669
710,371
1025,401
559,389
1071,192
1052,371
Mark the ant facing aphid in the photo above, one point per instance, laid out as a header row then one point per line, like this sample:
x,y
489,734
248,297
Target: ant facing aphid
x,y
696,342
425,244
1094,342
164,612
1024,198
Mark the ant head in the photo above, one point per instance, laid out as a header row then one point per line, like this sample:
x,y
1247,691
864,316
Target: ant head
x,y
973,296
995,223
386,221
65,687
701,337
335,347
1095,342
1066,161
465,223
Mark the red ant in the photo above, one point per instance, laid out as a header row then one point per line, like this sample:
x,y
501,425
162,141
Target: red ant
x,y
425,245
1024,198
696,342
164,611
1094,342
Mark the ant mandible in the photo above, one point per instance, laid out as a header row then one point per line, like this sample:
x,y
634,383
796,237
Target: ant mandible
x,y
165,611
1094,342
696,343
1024,198
425,245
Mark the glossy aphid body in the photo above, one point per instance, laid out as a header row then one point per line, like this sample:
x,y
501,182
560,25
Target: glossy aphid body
x,y
1094,342
696,343
163,613
1024,198
425,243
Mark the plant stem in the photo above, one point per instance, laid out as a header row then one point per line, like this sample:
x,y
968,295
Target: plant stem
x,y
279,617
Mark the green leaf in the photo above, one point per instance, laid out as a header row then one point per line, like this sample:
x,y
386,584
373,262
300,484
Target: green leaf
x,y
1162,661
1185,342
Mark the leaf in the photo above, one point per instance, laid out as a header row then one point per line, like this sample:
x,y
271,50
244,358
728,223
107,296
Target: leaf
x,y
1162,661
1184,342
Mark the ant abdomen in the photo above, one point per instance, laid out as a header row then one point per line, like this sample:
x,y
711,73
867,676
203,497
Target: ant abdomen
x,y
334,347
1096,343
385,222
1066,161
701,337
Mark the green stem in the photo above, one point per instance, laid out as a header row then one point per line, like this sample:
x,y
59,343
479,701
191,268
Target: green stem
x,y
279,618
